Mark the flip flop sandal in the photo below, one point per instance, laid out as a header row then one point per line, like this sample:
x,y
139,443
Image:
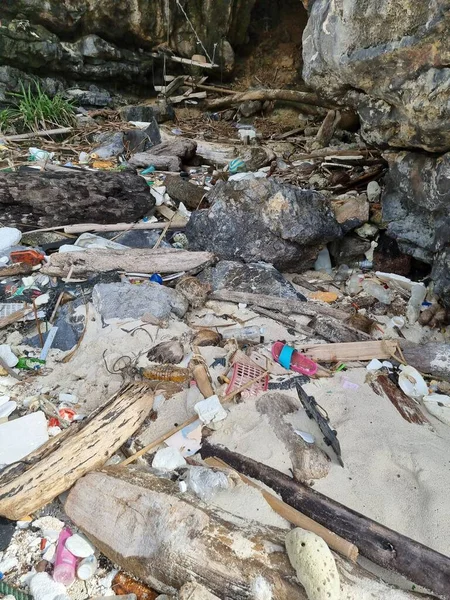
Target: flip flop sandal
x,y
290,358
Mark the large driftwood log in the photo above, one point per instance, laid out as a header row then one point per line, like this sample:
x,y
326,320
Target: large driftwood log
x,y
284,305
31,483
133,260
432,358
383,546
47,199
166,538
263,95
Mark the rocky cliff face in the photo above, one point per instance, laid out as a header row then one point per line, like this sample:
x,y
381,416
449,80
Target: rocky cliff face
x,y
111,40
391,60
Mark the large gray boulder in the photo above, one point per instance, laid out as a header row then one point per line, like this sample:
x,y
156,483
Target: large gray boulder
x,y
263,220
416,204
390,59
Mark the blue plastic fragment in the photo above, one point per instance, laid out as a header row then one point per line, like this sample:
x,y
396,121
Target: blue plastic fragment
x,y
156,278
148,170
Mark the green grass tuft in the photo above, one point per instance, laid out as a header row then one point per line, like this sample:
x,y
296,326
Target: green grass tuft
x,y
35,110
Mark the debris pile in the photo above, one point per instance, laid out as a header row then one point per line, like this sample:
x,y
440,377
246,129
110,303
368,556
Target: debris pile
x,y
185,318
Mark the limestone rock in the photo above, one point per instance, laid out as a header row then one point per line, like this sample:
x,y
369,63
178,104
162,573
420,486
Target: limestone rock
x,y
314,564
181,147
123,300
254,278
160,162
184,191
263,220
415,206
390,60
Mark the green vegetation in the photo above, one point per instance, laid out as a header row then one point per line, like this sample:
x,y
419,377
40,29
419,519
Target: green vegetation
x,y
33,109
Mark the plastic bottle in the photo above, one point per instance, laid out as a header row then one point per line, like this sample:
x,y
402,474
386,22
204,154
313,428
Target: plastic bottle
x,y
253,332
354,284
323,262
65,561
378,291
87,568
418,293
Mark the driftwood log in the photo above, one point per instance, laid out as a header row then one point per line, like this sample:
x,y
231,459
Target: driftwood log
x,y
45,199
263,95
133,260
383,546
31,483
284,305
432,358
166,538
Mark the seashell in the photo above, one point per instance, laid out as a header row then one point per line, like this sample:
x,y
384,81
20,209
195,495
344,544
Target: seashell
x,y
194,290
167,352
166,373
207,337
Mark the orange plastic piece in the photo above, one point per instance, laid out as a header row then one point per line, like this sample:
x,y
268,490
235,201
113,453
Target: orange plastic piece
x,y
324,296
124,584
29,257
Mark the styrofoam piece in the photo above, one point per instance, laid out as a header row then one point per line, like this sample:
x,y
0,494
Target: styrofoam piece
x,y
306,436
439,406
412,383
8,355
7,409
168,459
9,236
79,546
69,398
374,365
210,410
21,436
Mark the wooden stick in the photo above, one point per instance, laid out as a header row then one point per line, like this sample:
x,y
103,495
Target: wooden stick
x,y
158,441
211,88
8,369
383,546
38,324
296,517
33,134
60,297
16,316
263,95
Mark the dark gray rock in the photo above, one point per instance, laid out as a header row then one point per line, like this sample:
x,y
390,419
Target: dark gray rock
x,y
263,220
93,97
181,147
250,107
253,278
160,162
348,249
124,300
137,238
390,61
161,112
416,203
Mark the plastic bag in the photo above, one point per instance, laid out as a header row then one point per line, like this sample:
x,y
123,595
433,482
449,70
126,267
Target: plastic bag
x,y
205,483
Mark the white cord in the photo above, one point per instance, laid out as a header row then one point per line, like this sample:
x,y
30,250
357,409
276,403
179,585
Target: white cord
x,y
199,41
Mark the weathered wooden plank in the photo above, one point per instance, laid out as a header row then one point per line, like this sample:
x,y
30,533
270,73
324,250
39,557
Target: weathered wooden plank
x,y
381,349
40,477
408,409
132,260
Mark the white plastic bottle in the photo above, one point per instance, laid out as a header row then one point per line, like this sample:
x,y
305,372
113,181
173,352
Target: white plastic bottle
x,y
418,293
87,568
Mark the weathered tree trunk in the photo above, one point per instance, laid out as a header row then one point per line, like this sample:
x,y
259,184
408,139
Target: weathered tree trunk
x,y
167,538
31,483
47,199
263,95
133,260
383,546
432,358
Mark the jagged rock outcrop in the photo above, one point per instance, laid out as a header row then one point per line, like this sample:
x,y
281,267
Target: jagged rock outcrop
x,y
416,204
264,220
390,60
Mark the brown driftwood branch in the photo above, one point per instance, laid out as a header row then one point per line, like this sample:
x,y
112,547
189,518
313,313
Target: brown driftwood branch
x,y
263,95
31,483
385,547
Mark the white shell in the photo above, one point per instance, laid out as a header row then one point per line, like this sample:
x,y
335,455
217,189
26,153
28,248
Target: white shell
x,y
412,383
439,406
314,564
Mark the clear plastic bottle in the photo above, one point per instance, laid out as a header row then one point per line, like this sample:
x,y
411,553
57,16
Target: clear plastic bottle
x,y
65,561
418,293
378,291
87,568
323,262
354,284
252,332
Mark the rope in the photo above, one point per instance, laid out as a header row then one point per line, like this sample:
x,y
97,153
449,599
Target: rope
x,y
199,41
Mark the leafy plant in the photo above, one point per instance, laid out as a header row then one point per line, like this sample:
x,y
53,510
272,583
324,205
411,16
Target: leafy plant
x,y
6,118
35,110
